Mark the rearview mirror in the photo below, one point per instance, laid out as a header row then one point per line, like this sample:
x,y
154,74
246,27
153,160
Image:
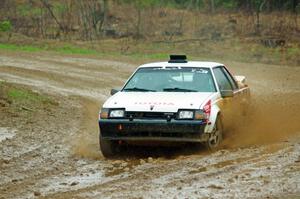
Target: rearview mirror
x,y
114,91
226,93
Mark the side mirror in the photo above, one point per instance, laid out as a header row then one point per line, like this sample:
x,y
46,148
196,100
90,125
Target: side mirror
x,y
226,93
240,79
114,91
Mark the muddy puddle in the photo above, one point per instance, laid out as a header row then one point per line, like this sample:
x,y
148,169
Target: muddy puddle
x,y
6,133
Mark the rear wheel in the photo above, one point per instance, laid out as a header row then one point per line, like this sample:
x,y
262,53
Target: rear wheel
x,y
215,137
108,147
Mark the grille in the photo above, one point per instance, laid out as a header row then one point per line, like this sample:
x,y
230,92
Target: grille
x,y
150,115
159,134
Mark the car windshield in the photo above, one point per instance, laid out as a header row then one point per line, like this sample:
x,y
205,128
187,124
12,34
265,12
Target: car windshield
x,y
171,79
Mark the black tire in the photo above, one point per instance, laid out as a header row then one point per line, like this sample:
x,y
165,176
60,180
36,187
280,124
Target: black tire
x,y
216,137
108,147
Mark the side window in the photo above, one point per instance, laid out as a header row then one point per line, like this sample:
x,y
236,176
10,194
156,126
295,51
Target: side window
x,y
222,80
230,78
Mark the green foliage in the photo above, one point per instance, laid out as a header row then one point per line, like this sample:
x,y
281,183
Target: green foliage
x,y
26,10
142,4
257,4
59,7
5,26
227,4
293,53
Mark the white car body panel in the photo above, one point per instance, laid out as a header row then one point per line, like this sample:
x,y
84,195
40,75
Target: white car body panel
x,y
188,64
173,101
161,101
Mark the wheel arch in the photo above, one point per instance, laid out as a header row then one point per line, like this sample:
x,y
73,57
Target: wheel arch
x,y
215,113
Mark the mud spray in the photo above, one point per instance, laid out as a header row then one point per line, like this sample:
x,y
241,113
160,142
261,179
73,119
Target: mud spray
x,y
272,116
86,143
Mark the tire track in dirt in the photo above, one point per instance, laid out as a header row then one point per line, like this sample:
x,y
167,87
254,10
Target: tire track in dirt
x,y
209,175
38,149
73,75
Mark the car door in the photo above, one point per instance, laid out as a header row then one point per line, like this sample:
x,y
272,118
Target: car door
x,y
227,105
241,95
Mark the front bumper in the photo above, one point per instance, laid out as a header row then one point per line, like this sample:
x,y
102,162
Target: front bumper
x,y
153,130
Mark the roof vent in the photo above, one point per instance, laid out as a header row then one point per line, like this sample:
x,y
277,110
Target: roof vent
x,y
178,59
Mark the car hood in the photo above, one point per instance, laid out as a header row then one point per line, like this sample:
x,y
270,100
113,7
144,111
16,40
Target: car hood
x,y
157,101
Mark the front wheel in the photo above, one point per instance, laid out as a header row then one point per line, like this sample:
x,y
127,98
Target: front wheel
x,y
108,147
216,136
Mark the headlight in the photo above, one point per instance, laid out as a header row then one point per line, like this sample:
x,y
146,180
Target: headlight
x,y
117,113
185,114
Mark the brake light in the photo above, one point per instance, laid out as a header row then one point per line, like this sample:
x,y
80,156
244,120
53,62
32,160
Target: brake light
x,y
207,109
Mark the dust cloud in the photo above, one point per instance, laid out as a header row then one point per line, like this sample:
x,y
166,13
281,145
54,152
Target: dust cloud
x,y
271,117
86,143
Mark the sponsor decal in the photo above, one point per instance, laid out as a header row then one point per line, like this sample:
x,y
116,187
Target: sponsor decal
x,y
155,103
151,107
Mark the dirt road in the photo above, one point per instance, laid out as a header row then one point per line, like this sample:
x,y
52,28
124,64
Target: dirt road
x,y
55,154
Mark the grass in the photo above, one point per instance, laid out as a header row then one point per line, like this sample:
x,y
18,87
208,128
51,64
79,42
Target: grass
x,y
21,101
20,96
13,47
69,49
72,49
143,51
66,49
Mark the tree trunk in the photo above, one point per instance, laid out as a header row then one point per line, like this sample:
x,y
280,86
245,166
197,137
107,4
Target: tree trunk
x,y
295,3
212,6
47,6
84,21
104,13
258,11
139,20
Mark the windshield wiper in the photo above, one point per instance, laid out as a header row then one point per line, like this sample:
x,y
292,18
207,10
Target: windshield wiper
x,y
176,89
138,89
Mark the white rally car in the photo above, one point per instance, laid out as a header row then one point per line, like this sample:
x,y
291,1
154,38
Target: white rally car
x,y
174,101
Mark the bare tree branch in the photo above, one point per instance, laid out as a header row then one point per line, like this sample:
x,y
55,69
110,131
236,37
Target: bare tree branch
x,y
48,7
